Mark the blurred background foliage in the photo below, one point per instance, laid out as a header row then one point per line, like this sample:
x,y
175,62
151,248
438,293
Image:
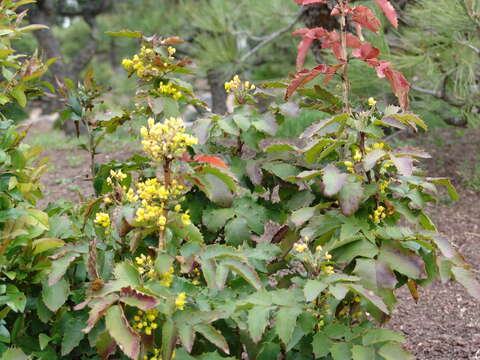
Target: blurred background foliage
x,y
437,47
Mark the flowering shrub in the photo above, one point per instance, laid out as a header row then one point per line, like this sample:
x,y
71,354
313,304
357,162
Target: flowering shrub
x,y
245,238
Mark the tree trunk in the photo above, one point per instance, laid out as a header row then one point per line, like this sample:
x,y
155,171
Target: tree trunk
x,y
47,41
217,89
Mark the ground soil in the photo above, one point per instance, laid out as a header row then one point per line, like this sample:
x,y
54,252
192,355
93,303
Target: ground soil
x,y
445,323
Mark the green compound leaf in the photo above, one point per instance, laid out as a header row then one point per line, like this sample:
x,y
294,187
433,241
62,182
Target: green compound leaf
x,y
214,336
54,296
285,322
257,321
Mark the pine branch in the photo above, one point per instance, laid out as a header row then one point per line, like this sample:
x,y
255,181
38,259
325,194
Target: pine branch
x,y
272,37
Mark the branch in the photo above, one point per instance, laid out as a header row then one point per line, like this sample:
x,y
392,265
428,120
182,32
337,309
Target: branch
x,y
474,48
270,38
440,94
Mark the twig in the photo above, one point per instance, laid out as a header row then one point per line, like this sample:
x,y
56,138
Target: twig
x,y
270,38
395,134
474,48
440,94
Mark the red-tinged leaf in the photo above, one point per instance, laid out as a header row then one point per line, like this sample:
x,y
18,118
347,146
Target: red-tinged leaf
x,y
98,309
353,41
302,51
332,41
105,345
310,2
400,86
366,52
137,299
389,11
364,16
172,40
308,36
212,160
121,331
304,76
412,286
403,164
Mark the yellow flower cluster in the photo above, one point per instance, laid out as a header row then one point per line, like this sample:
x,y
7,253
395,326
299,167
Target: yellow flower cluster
x,y
376,146
378,215
328,269
146,322
154,196
350,166
148,63
180,301
300,247
372,102
236,84
145,266
102,219
119,175
383,186
170,89
166,140
167,278
357,155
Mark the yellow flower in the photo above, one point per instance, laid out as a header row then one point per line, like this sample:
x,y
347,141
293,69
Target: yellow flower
x,y
127,64
299,247
357,156
318,248
348,163
167,278
186,219
328,256
180,301
178,208
166,140
372,102
328,270
171,50
102,219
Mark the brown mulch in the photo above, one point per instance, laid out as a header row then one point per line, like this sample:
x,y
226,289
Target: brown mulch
x,y
445,323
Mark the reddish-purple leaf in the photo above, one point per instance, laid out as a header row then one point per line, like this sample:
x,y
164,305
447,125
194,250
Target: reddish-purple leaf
x,y
304,76
331,40
364,16
366,52
135,298
210,159
308,36
98,309
400,86
105,345
389,11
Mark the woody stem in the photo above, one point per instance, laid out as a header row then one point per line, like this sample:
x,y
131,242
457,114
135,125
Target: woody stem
x,y
343,5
